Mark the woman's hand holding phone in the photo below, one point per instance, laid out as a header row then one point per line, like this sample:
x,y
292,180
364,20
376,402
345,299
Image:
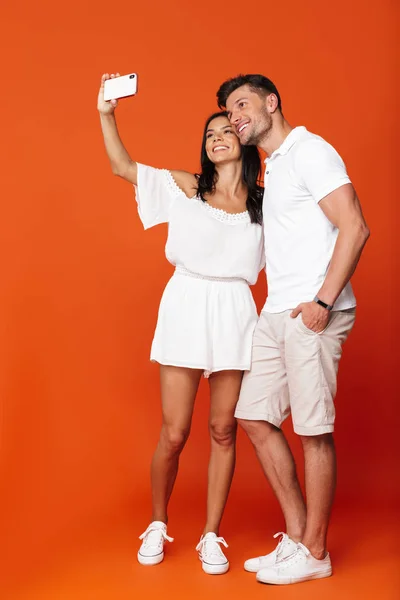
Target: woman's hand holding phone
x,y
106,107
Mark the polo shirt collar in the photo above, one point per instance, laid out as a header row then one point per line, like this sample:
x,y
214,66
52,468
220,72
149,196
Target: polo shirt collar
x,y
289,141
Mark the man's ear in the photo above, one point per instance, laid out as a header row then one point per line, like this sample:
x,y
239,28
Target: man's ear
x,y
271,103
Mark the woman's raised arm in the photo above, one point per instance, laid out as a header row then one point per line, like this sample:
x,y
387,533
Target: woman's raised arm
x,y
121,163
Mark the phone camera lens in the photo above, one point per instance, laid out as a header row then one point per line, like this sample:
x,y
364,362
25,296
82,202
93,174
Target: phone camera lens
x,y
132,76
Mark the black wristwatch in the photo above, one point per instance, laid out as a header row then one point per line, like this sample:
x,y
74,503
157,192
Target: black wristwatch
x,y
327,306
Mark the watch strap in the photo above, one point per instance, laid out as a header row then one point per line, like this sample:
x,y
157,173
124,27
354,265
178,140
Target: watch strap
x,y
324,304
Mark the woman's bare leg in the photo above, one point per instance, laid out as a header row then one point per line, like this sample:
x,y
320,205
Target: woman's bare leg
x,y
224,391
178,393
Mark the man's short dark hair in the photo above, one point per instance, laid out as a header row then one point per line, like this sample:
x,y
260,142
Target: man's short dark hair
x,y
257,83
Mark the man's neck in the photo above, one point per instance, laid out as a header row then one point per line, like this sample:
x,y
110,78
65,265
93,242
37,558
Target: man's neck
x,y
276,136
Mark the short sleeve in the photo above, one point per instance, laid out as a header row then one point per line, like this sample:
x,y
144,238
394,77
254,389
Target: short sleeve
x,y
320,168
156,191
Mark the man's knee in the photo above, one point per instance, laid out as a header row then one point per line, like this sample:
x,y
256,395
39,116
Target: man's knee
x,y
257,431
317,441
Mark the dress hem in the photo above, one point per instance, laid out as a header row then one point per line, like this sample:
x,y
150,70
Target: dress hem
x,y
207,372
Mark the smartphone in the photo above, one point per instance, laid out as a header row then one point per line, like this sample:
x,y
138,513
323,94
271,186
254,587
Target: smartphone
x,y
120,87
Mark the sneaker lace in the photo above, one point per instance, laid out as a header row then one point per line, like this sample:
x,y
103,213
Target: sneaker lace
x,y
282,542
155,536
210,546
297,555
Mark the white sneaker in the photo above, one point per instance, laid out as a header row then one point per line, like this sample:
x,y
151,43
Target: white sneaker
x,y
300,566
285,548
214,561
151,551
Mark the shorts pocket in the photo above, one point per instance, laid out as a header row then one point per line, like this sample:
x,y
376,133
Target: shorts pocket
x,y
305,329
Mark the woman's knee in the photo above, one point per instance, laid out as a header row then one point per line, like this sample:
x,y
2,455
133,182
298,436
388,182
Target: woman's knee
x,y
173,438
223,434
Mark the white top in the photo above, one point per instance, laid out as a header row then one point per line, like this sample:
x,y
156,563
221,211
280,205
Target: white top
x,y
201,239
299,239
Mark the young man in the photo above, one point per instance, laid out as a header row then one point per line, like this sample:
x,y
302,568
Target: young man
x,y
314,236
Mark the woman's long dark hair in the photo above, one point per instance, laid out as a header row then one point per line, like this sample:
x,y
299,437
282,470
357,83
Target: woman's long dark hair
x,y
251,170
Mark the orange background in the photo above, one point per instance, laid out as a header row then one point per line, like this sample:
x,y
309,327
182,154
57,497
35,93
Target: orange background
x,y
81,283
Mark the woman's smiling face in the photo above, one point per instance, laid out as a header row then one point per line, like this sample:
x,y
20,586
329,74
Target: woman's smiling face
x,y
222,143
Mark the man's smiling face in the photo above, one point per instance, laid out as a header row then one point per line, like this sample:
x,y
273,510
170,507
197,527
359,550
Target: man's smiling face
x,y
249,115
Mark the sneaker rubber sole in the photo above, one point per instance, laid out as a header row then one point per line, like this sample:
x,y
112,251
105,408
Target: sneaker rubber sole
x,y
290,580
215,569
150,560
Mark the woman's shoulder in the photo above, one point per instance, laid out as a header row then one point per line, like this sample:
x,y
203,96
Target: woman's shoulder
x,y
186,181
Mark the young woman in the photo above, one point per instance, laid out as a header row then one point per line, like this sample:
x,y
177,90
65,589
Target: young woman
x,y
207,313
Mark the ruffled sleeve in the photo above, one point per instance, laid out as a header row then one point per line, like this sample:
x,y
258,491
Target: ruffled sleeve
x,y
156,191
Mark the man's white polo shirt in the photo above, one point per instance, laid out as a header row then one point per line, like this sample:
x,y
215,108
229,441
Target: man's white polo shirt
x,y
299,239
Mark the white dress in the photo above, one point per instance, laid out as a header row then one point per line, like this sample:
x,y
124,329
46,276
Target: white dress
x,y
207,313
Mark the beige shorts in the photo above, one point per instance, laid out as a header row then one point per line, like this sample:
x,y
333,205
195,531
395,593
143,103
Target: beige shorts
x,y
294,370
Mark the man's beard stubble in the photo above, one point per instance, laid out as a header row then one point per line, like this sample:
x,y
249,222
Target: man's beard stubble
x,y
262,129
